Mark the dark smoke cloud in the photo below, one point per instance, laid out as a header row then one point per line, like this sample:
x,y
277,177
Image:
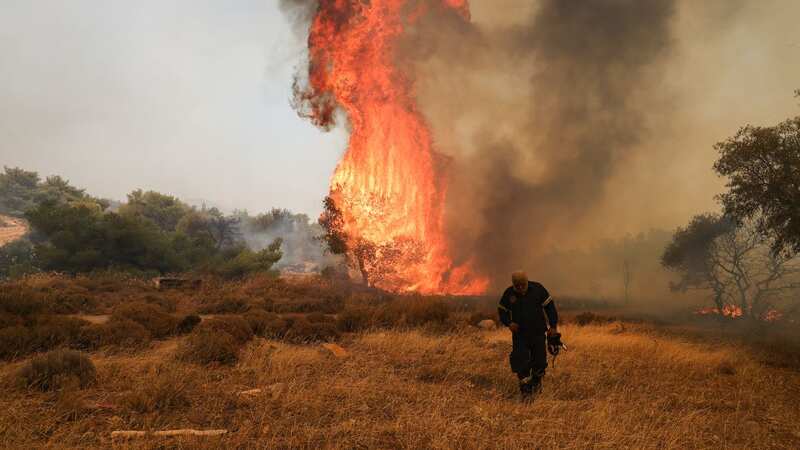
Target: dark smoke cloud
x,y
556,104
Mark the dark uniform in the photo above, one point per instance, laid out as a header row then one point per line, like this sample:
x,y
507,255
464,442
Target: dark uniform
x,y
534,312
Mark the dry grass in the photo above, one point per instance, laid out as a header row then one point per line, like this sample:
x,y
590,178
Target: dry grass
x,y
417,375
616,388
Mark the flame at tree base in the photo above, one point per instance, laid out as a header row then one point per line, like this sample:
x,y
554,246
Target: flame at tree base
x,y
389,188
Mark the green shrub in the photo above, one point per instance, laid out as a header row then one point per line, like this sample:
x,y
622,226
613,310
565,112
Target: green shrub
x,y
235,326
188,323
207,346
56,369
158,322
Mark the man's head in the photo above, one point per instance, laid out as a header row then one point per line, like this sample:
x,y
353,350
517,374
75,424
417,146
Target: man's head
x,y
519,280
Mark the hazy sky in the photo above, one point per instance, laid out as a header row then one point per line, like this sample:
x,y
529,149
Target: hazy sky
x,y
191,98
188,97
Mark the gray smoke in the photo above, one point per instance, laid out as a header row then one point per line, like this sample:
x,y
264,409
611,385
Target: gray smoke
x,y
553,106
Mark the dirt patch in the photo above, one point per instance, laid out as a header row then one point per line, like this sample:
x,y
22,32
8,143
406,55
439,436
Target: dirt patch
x,y
11,229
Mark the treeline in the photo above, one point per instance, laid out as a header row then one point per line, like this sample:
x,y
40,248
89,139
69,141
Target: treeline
x,y
747,259
151,233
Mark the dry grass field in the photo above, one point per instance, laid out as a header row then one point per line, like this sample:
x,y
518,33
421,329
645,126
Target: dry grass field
x,y
620,385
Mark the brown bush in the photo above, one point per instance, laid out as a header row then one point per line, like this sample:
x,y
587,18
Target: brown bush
x,y
277,327
235,326
51,331
354,319
10,320
307,305
14,341
318,317
207,346
302,330
477,317
168,305
588,318
56,369
168,391
22,301
126,333
157,321
188,323
226,305
260,320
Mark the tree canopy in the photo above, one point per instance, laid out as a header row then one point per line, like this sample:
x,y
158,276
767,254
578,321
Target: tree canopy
x,y
762,165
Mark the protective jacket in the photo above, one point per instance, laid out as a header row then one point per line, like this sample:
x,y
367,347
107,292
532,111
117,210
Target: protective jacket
x,y
532,311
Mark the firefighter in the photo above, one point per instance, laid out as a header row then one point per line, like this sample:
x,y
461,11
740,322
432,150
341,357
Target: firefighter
x,y
527,309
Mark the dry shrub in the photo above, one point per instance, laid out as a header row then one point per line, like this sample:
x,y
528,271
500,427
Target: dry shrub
x,y
10,320
305,305
414,311
157,321
168,391
122,333
52,331
588,318
57,369
277,327
355,318
188,323
14,341
301,330
260,321
226,305
726,368
318,317
207,346
69,405
21,301
477,317
235,326
164,303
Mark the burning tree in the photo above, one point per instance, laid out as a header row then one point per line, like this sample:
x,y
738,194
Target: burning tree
x,y
377,263
385,208
735,263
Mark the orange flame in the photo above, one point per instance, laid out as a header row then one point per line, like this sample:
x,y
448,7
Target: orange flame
x,y
390,184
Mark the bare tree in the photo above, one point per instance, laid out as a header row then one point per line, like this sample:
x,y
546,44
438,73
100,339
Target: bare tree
x,y
735,263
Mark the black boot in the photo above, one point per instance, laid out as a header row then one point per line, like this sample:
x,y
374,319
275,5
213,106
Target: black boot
x,y
526,388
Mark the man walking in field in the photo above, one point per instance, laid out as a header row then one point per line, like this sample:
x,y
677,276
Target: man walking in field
x,y
527,309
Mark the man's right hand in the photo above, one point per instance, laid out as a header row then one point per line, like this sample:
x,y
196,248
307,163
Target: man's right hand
x,y
513,327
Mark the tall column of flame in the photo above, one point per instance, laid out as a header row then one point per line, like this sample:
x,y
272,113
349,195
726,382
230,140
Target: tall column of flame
x,y
388,185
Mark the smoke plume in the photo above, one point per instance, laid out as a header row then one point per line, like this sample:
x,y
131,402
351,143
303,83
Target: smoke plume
x,y
570,88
